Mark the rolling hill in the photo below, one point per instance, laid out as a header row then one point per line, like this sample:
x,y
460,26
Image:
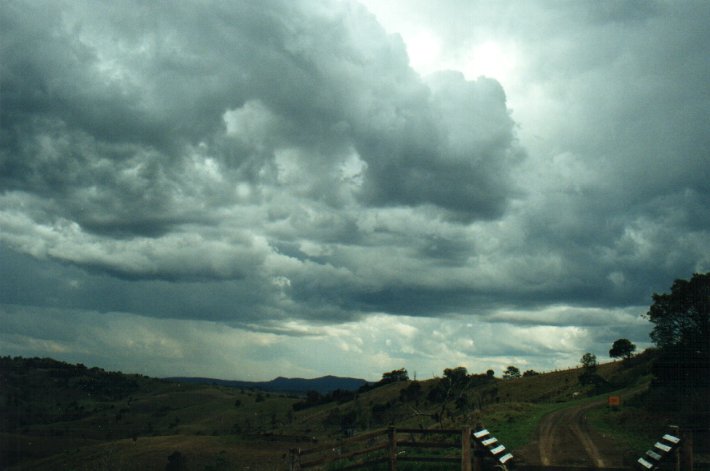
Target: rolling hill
x,y
55,415
322,385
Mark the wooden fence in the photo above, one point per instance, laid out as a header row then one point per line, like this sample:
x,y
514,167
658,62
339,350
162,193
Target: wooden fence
x,y
392,446
453,446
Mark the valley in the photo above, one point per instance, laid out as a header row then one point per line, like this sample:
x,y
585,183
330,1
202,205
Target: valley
x,y
61,416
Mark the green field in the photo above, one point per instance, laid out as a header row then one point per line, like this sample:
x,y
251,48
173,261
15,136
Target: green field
x,y
61,416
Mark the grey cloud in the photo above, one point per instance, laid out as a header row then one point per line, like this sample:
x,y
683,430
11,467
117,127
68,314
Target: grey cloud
x,y
612,99
624,177
99,95
457,159
254,163
29,282
278,170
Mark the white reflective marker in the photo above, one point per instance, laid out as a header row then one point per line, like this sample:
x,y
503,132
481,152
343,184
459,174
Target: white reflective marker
x,y
505,458
662,447
498,449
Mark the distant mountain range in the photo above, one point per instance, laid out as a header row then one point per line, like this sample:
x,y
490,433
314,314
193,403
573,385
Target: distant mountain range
x,y
322,385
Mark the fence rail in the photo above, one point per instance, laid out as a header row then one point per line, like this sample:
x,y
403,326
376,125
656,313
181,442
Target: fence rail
x,y
390,446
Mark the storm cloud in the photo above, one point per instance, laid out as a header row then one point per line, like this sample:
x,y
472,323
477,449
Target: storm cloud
x,y
282,171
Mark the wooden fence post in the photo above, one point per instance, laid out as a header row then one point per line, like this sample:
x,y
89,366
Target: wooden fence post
x,y
466,449
392,436
477,459
676,454
294,459
686,450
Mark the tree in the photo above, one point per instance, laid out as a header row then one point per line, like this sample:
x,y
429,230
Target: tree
x,y
622,348
589,362
490,373
395,376
452,387
530,373
511,372
455,376
682,318
682,332
590,376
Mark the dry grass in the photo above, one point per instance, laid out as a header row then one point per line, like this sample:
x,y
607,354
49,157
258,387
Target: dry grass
x,y
222,428
200,452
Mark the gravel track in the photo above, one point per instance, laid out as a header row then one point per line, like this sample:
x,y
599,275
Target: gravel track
x,y
565,438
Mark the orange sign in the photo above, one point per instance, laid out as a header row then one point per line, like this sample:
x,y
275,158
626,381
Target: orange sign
x,y
614,401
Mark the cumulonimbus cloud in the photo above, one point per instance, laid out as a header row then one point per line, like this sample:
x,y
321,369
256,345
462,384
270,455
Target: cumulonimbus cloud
x,y
138,122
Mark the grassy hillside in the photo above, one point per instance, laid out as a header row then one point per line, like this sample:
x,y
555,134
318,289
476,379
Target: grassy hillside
x,y
60,416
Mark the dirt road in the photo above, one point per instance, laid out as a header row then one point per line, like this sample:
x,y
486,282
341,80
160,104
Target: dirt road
x,y
564,438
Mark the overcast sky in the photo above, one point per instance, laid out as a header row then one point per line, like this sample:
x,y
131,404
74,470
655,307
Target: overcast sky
x,y
247,189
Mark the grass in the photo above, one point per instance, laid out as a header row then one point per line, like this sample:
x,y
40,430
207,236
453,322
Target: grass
x,y
515,424
217,427
201,453
629,427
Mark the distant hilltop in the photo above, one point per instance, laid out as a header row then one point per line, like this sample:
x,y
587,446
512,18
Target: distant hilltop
x,y
322,385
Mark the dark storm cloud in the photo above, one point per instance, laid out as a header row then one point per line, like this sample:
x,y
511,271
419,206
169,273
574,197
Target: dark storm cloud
x,y
102,109
215,162
627,210
29,282
613,103
259,162
458,164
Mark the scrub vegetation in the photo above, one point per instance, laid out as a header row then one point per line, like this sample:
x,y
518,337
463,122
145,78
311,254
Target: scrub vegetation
x,y
57,415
